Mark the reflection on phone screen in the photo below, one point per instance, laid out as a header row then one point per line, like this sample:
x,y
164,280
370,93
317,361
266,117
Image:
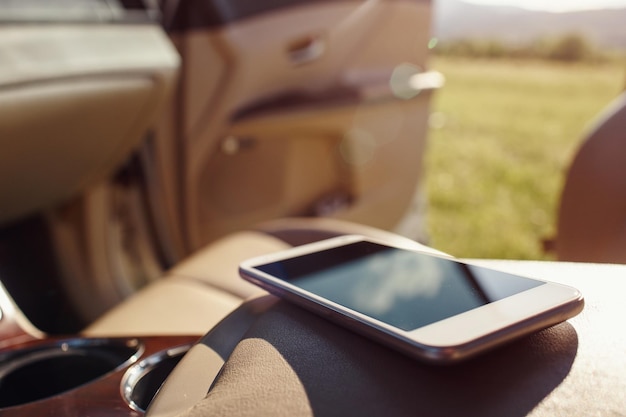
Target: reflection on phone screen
x,y
402,288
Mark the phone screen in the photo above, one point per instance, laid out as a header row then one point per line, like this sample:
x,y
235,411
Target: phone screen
x,y
399,287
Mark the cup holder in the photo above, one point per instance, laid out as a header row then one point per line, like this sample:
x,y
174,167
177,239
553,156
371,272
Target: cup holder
x,y
32,374
142,380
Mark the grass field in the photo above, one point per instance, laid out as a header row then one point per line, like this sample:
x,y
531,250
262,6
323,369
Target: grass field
x,y
502,136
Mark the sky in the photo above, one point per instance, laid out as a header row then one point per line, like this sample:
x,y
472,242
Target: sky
x,y
555,5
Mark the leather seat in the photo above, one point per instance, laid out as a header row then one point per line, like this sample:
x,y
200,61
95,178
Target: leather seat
x,y
592,212
192,297
197,293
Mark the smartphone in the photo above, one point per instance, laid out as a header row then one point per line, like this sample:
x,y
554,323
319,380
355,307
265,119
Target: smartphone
x,y
429,306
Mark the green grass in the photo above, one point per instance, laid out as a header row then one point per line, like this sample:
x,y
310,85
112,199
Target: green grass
x,y
502,136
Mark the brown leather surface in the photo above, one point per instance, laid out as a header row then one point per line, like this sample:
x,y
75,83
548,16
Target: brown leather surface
x,y
293,363
592,211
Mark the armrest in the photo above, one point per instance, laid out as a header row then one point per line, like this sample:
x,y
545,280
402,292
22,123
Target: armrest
x,y
292,363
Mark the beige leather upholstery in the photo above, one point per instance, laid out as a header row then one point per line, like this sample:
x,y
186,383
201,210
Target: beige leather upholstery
x,y
200,291
192,297
74,101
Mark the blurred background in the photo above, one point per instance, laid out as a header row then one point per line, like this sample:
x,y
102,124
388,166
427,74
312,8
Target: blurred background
x,y
523,85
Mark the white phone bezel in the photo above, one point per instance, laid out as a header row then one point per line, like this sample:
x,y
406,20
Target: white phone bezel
x,y
448,340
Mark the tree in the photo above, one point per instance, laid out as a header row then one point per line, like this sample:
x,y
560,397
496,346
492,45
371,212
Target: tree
x,y
572,47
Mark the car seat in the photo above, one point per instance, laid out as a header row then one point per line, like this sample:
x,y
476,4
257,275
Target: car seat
x,y
592,212
200,291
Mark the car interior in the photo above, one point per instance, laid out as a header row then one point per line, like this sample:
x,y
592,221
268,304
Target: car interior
x,y
591,212
148,147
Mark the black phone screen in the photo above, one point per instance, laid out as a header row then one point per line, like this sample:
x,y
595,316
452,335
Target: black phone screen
x,y
399,287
